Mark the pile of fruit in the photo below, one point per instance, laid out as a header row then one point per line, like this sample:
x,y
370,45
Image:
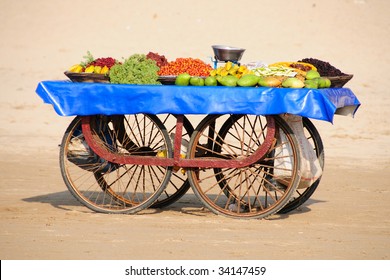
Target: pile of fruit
x,y
91,65
281,74
230,69
291,75
149,68
192,66
140,68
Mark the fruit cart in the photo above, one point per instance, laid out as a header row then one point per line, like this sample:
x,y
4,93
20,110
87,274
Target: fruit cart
x,y
131,147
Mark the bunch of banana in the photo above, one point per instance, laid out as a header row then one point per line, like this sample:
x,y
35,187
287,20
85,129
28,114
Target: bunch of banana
x,y
230,69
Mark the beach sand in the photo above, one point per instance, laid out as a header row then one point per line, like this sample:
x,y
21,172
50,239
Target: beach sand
x,y
346,218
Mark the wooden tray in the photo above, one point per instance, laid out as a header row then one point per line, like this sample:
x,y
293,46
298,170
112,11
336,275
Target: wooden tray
x,y
87,77
167,80
339,81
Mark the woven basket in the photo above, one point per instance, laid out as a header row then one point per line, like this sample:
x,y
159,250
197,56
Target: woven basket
x,y
339,81
87,77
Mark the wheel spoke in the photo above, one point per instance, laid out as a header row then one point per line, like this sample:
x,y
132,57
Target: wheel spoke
x,y
106,187
249,192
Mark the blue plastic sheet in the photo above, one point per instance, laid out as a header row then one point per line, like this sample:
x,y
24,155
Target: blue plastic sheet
x,y
69,98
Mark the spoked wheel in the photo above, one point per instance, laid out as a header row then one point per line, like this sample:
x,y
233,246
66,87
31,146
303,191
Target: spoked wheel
x,y
255,191
106,187
302,195
178,185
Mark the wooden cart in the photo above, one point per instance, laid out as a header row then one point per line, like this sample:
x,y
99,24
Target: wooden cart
x,y
132,147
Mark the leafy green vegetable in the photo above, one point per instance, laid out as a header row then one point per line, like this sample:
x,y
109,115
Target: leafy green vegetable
x,y
137,69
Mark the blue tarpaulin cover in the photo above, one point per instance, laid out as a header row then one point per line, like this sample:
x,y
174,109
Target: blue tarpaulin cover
x,y
71,98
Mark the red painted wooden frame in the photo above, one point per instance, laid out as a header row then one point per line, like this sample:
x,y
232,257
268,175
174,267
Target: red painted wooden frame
x,y
204,162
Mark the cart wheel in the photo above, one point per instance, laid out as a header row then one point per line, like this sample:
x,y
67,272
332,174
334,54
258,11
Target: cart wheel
x,y
255,191
302,195
106,187
178,185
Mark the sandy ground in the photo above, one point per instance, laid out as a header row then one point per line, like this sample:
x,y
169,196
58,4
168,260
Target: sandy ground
x,y
346,218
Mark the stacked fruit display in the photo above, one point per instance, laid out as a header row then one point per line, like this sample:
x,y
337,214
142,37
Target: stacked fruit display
x,y
153,68
292,75
191,66
281,74
230,69
91,65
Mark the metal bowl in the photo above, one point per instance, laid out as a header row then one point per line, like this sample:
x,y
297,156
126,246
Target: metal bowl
x,y
226,53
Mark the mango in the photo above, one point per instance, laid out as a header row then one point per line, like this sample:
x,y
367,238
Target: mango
x,y
162,154
90,69
293,83
229,81
183,79
196,81
77,68
224,72
324,82
97,70
248,80
104,70
269,81
228,65
312,74
311,83
213,73
210,81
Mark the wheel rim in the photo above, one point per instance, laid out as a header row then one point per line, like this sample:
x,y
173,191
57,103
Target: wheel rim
x,y
249,192
302,195
112,188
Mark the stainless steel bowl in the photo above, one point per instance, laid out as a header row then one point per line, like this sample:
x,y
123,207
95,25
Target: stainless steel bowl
x,y
227,53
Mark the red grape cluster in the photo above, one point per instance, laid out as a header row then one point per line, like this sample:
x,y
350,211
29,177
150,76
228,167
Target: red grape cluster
x,y
160,59
103,61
